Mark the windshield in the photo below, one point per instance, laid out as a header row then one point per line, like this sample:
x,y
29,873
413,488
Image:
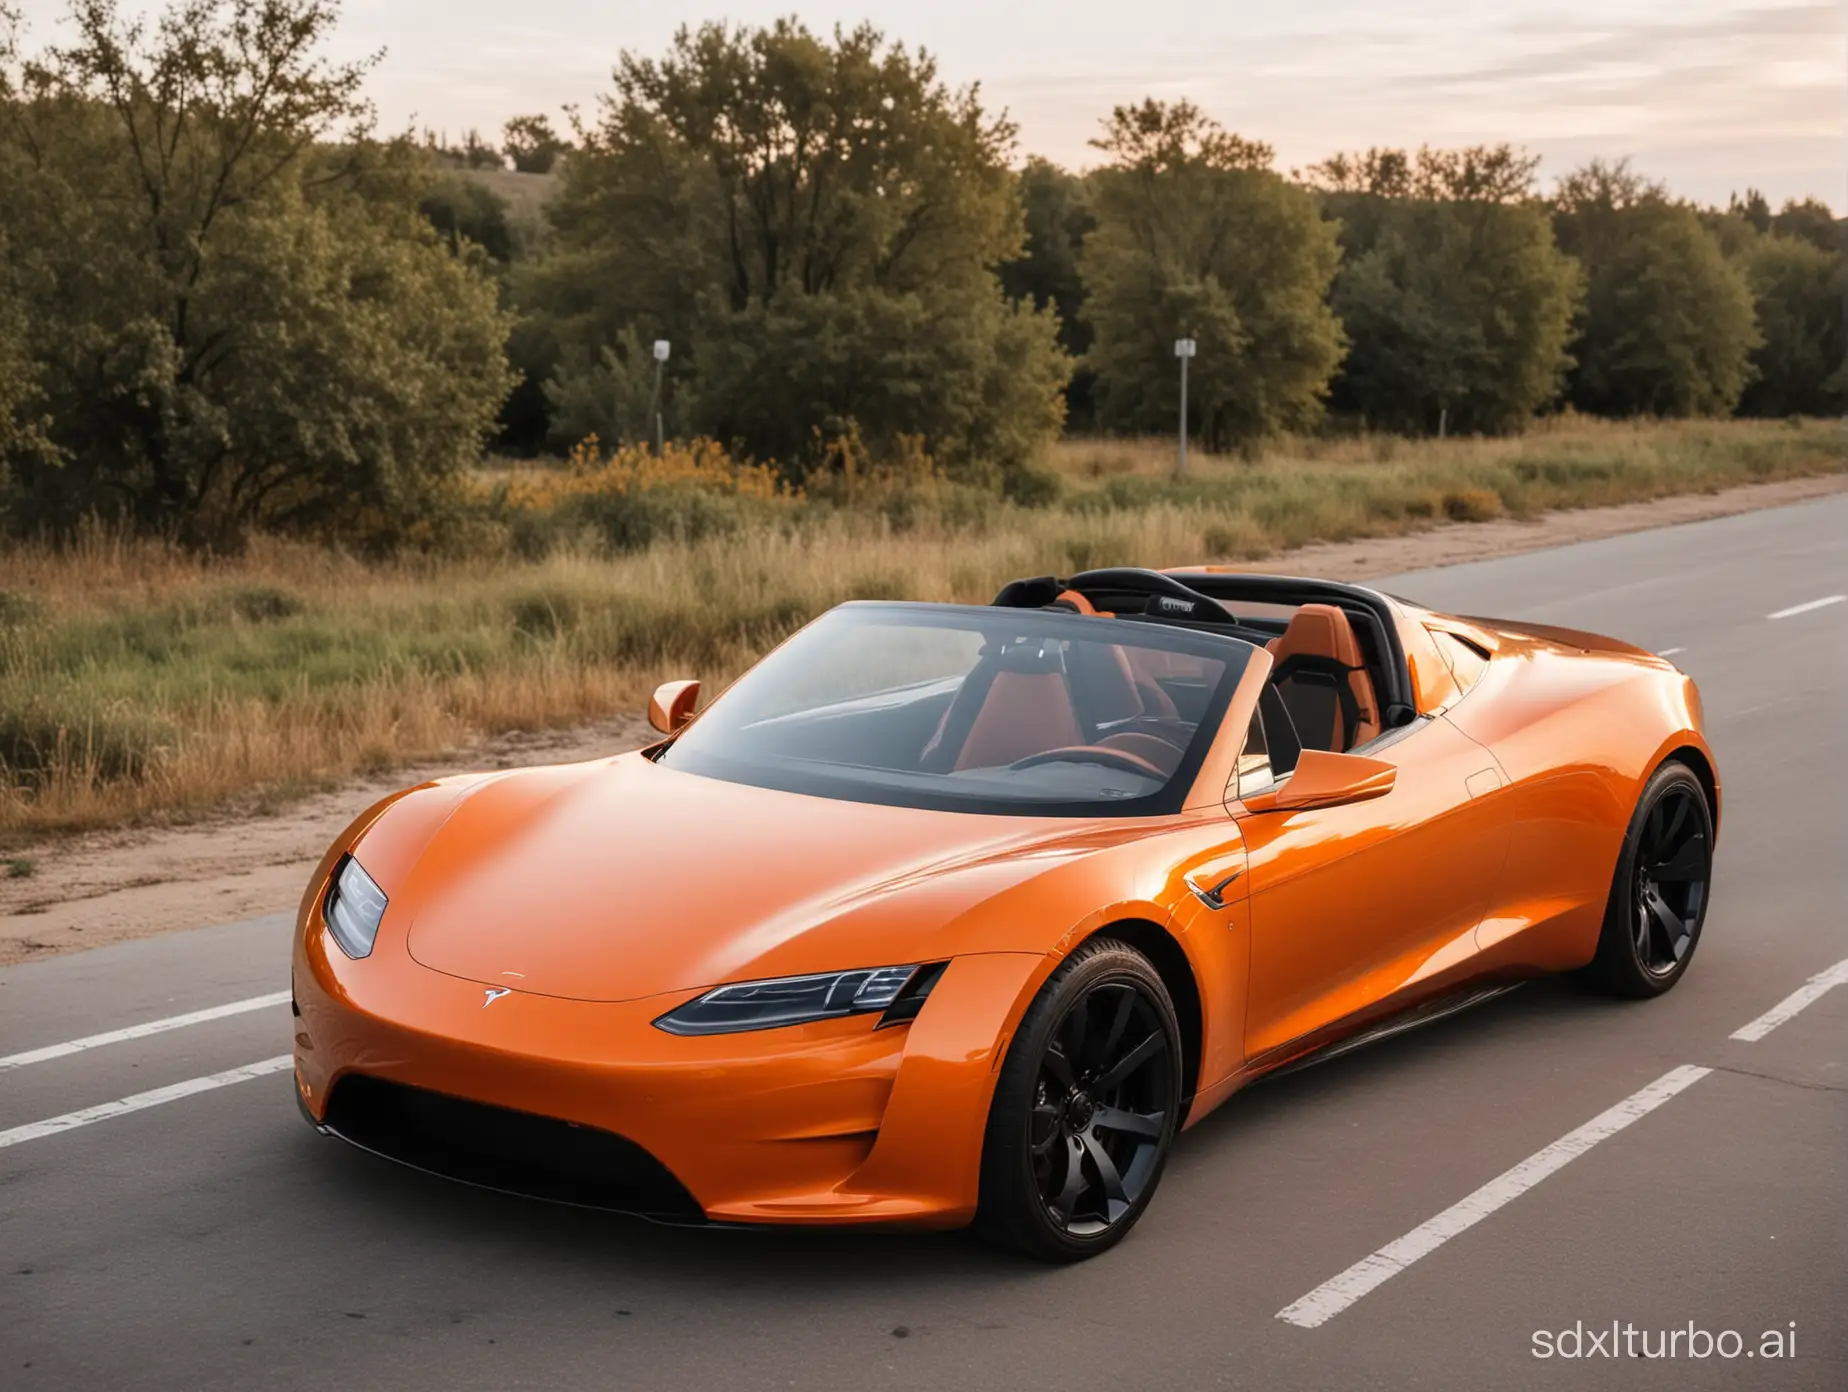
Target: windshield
x,y
1020,711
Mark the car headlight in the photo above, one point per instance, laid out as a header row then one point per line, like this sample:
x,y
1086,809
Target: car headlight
x,y
354,906
801,1000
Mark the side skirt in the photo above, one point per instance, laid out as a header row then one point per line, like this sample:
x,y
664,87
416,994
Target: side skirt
x,y
1430,1012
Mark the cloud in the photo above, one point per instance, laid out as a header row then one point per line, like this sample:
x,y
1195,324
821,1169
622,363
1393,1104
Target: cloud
x,y
1711,95
1712,100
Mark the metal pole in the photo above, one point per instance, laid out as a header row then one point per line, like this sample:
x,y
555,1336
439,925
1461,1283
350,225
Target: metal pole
x,y
655,409
662,349
1184,348
1182,468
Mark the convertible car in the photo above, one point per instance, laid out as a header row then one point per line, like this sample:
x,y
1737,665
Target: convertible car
x,y
949,914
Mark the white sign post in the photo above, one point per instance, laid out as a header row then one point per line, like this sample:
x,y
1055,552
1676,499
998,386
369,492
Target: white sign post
x,y
661,350
1184,349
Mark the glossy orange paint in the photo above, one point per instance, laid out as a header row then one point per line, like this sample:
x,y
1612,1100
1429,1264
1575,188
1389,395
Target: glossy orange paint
x,y
672,704
540,921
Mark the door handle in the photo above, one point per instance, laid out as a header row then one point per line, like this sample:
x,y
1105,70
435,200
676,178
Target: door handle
x,y
1213,898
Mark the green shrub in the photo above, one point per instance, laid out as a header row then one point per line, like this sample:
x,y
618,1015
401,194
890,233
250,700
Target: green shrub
x,y
1030,487
635,521
549,613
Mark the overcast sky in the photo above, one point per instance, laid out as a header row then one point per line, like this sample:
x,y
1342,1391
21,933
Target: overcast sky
x,y
1712,95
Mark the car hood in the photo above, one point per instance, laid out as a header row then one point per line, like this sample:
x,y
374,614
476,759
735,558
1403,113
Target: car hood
x,y
621,879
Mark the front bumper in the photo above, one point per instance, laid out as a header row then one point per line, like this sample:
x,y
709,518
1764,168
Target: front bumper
x,y
836,1122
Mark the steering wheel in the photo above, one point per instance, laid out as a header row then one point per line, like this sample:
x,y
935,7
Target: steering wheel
x,y
1171,728
1093,754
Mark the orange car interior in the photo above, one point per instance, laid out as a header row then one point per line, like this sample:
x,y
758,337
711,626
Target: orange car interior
x,y
1016,705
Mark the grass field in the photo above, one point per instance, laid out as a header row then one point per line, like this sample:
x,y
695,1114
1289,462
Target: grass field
x,y
141,683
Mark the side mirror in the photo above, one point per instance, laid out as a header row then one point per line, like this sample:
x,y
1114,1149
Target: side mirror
x,y
1321,779
672,704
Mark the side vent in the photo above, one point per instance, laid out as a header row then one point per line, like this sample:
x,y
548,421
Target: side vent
x,y
911,1000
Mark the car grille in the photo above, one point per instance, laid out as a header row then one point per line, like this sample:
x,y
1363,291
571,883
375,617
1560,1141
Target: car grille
x,y
497,1148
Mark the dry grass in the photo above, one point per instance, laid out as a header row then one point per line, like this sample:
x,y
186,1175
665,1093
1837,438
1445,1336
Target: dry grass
x,y
140,683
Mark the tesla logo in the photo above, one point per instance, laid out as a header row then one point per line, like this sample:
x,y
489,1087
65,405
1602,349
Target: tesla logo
x,y
1168,605
495,993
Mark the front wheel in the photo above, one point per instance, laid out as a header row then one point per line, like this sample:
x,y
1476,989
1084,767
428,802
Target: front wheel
x,y
1085,1109
1659,895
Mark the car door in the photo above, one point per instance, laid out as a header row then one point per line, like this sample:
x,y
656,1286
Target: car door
x,y
1353,904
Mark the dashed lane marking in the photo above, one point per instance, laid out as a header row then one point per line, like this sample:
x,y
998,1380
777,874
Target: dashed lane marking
x,y
1332,1297
1796,609
141,1031
1805,995
140,1101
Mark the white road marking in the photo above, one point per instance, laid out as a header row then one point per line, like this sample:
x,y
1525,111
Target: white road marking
x,y
1332,1297
1796,609
1807,994
1670,652
103,1111
142,1031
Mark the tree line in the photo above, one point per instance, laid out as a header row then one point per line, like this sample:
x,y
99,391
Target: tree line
x,y
227,303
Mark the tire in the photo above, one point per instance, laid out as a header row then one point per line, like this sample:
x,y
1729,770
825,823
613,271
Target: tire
x,y
1092,1080
1659,895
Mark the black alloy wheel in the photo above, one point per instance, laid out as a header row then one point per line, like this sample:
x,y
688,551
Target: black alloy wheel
x,y
1659,898
1085,1110
1673,862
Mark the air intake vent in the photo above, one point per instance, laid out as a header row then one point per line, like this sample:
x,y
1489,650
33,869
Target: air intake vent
x,y
496,1148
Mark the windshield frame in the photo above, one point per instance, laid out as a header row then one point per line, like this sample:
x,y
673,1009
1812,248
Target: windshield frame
x,y
815,781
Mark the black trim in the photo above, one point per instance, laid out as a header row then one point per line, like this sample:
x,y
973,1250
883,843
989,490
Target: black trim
x,y
497,1148
911,999
1036,593
1282,745
1165,596
1347,1034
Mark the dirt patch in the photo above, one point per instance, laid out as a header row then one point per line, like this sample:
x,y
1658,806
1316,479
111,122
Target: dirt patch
x,y
109,887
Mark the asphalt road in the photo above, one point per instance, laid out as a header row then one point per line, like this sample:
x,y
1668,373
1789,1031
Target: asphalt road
x,y
215,1242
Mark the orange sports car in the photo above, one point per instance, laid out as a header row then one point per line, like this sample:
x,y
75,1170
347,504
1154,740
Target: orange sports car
x,y
948,914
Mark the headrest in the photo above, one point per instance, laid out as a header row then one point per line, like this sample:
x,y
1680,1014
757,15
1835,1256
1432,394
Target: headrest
x,y
1318,630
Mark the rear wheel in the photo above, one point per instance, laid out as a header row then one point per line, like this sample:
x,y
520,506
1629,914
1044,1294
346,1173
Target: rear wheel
x,y
1085,1109
1659,896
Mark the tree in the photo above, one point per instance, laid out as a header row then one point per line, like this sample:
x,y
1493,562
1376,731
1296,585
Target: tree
x,y
532,144
1811,220
237,314
1800,291
1197,237
464,210
1456,302
1668,327
476,153
1754,209
19,387
22,436
778,205
1484,174
1057,208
